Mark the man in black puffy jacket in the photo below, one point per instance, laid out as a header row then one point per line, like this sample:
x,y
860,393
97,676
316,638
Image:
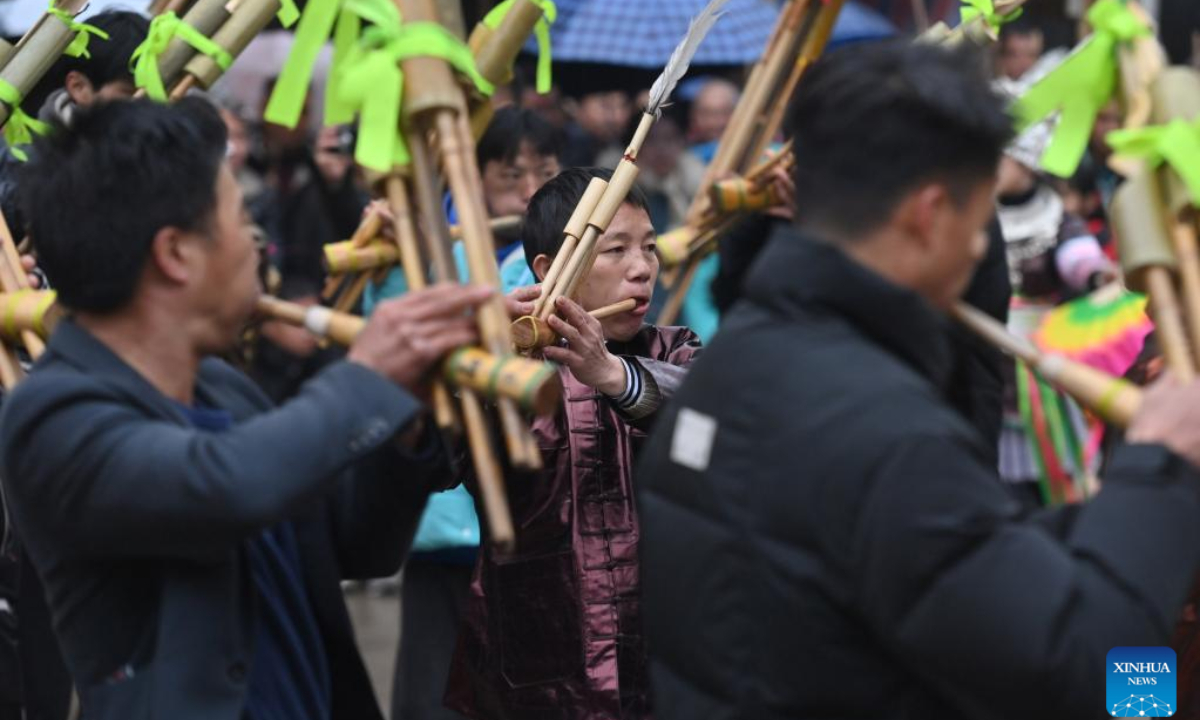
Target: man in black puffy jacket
x,y
824,536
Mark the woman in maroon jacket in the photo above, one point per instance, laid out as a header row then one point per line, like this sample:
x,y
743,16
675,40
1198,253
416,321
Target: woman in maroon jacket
x,y
553,632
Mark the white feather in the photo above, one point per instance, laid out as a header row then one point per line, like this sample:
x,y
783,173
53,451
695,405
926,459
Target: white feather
x,y
677,66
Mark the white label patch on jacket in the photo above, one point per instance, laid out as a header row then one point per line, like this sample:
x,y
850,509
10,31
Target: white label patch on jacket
x,y
691,446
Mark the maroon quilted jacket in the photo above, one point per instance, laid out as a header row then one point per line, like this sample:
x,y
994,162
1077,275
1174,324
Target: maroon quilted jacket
x,y
553,632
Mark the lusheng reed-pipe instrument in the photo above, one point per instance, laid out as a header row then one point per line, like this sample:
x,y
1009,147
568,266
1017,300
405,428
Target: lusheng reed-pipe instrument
x,y
532,332
246,19
601,200
26,313
1114,399
534,385
801,34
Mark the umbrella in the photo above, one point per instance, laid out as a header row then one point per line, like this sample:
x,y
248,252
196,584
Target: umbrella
x,y
642,34
1105,330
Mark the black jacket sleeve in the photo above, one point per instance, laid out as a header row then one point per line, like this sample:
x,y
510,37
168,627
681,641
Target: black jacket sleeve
x,y
995,613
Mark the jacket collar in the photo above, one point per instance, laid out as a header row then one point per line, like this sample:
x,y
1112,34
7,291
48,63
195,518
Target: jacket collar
x,y
82,350
798,274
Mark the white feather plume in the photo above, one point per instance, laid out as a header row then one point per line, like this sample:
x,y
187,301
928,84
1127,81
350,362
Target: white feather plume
x,y
677,66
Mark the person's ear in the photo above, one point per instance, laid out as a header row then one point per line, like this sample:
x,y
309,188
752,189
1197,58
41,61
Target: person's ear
x,y
80,89
922,214
176,254
541,266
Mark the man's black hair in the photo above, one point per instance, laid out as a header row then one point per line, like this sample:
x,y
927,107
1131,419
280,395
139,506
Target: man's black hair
x,y
874,122
96,194
108,61
552,205
512,126
1023,26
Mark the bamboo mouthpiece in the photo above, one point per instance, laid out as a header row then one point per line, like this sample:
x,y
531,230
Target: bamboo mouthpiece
x,y
531,332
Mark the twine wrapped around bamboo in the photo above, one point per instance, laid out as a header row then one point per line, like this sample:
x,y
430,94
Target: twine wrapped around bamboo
x,y
742,195
28,311
37,51
206,16
533,385
1112,398
248,18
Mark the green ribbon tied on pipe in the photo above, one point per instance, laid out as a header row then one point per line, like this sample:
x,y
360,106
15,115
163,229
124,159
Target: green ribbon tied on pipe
x,y
163,29
1080,86
288,13
20,127
986,9
371,82
541,31
1177,144
291,87
78,46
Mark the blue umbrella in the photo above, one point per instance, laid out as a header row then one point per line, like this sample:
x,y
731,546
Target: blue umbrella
x,y
642,33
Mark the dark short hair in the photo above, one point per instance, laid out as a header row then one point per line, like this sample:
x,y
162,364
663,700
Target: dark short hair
x,y
108,61
1023,26
97,193
512,126
550,208
873,122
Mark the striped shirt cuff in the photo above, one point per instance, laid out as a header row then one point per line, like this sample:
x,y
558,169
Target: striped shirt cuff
x,y
634,387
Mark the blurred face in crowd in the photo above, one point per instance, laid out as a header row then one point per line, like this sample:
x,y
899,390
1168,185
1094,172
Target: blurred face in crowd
x,y
711,111
549,106
239,141
508,186
1013,178
84,93
220,270
663,147
626,267
604,115
1019,52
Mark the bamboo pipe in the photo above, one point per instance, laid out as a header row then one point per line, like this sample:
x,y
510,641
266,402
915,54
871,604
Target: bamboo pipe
x,y
462,176
414,272
206,16
28,312
375,252
37,52
246,19
574,230
13,279
1115,399
487,470
495,52
531,332
6,51
533,384
434,104
671,309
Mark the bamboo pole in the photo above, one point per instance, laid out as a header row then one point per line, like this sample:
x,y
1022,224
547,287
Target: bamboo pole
x,y
1114,399
434,106
414,272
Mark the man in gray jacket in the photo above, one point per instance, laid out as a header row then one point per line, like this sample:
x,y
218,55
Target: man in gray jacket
x,y
191,537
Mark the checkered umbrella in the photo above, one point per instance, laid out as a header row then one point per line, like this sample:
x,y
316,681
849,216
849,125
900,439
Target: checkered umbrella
x,y
642,33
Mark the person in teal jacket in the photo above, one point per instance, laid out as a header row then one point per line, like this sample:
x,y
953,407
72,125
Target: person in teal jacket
x,y
517,154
